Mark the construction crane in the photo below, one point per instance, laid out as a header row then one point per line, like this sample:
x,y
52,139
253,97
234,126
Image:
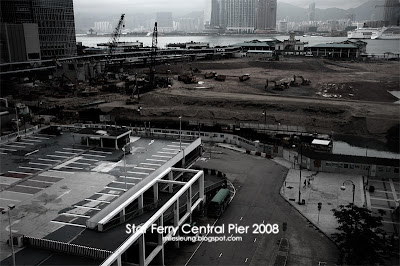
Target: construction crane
x,y
153,56
113,43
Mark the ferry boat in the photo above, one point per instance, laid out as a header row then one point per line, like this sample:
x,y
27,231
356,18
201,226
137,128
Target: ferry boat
x,y
363,33
388,33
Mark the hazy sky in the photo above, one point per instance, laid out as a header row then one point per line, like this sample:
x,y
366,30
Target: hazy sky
x,y
178,6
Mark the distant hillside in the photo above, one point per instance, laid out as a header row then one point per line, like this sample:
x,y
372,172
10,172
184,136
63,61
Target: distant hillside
x,y
363,12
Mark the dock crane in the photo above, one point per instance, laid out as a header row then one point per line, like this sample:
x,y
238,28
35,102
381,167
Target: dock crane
x,y
113,43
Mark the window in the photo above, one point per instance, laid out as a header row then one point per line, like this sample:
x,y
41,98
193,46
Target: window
x,y
388,169
380,169
357,166
396,170
346,165
351,166
328,164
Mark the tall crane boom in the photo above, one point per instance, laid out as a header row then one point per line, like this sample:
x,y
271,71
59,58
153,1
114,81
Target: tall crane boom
x,y
153,55
115,36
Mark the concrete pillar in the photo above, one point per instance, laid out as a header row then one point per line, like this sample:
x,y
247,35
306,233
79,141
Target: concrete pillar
x,y
183,158
189,203
101,142
155,191
116,144
140,204
119,261
142,250
170,177
160,256
122,216
87,141
73,139
176,220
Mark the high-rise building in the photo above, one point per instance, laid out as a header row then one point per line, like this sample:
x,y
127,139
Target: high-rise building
x,y
215,13
241,15
103,26
392,12
55,20
266,14
164,21
311,12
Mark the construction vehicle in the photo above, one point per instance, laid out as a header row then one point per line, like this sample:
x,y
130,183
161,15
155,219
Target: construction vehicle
x,y
220,77
153,56
303,82
277,86
188,78
210,75
244,77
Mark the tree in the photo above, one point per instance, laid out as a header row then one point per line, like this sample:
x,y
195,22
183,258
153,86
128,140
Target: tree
x,y
360,240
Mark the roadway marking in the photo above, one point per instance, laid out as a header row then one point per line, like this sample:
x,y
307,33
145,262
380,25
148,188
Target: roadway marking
x,y
20,192
102,201
162,156
34,140
32,152
94,155
28,186
131,177
183,143
122,189
153,164
382,208
241,218
63,223
26,143
176,146
167,152
145,168
99,193
262,222
49,160
246,260
220,255
255,239
66,152
3,153
58,156
15,172
81,163
30,168
170,149
105,152
84,207
7,149
119,182
75,215
38,137
151,142
65,172
138,173
91,160
10,199
382,199
14,146
72,167
390,222
71,149
43,164
46,175
155,160
39,181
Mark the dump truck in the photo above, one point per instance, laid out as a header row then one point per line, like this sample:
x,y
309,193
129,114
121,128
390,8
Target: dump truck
x,y
244,77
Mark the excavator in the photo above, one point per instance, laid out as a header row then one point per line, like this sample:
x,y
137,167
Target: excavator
x,y
277,86
296,83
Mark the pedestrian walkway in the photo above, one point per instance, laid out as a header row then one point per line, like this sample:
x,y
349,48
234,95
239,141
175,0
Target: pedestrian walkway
x,y
231,147
324,188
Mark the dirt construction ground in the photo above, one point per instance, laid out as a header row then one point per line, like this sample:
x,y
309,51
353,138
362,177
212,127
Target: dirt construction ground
x,y
344,97
350,98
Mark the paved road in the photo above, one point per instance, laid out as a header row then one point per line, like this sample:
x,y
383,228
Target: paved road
x,y
258,181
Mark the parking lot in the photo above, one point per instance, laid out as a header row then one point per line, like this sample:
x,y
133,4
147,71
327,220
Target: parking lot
x,y
66,184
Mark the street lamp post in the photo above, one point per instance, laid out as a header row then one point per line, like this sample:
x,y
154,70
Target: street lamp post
x,y
343,187
16,116
301,161
180,133
10,207
124,150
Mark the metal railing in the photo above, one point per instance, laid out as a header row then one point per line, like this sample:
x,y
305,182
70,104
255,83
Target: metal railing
x,y
67,248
